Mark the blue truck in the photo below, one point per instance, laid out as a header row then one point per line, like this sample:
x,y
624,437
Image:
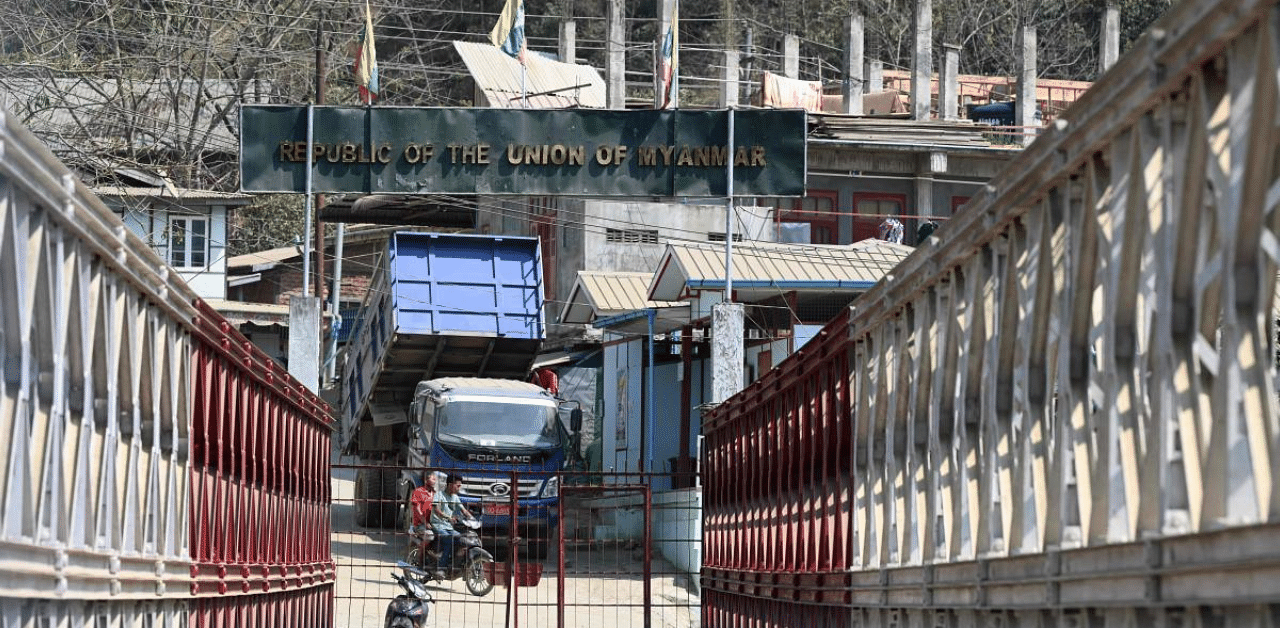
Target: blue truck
x,y
436,377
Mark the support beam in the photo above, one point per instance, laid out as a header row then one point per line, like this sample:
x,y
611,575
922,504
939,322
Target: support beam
x,y
615,57
1025,116
1109,47
729,89
874,72
949,85
922,61
791,57
569,41
853,61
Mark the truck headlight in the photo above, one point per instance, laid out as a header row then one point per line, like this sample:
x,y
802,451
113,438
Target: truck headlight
x,y
551,488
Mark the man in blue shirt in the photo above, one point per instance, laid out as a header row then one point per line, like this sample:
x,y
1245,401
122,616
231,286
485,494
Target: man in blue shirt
x,y
444,513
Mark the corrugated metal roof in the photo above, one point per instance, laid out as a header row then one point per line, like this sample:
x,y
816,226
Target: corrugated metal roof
x,y
269,257
549,84
613,298
615,293
775,266
178,194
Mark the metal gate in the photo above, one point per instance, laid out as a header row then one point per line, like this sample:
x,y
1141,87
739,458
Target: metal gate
x,y
626,553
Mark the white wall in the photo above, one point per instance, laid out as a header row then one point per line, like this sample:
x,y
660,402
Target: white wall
x,y
672,221
676,524
152,226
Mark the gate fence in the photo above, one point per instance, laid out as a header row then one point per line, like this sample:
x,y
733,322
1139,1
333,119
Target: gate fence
x,y
155,467
626,553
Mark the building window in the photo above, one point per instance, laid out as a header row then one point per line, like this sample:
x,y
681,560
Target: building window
x,y
815,211
872,209
188,241
718,236
631,236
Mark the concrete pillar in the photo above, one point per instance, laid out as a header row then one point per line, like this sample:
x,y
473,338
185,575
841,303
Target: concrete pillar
x,y
729,80
853,60
615,57
569,41
1026,106
874,72
726,351
791,57
1109,47
304,345
922,61
949,83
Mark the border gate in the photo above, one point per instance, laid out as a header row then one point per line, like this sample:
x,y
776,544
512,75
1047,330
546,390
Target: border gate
x,y
622,556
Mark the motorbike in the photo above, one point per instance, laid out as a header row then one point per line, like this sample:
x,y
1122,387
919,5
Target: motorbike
x,y
411,608
471,562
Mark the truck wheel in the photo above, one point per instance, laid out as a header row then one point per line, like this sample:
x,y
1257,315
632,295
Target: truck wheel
x,y
362,497
376,499
389,506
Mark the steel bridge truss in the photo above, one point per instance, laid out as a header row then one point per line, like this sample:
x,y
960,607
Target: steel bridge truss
x,y
155,467
1062,409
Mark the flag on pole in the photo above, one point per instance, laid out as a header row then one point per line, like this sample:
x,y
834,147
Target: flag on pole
x,y
366,63
670,60
508,33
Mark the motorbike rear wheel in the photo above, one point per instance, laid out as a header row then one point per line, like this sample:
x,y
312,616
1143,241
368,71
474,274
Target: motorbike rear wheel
x,y
476,572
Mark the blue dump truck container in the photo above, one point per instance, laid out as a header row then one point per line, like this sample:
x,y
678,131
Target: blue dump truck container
x,y
439,306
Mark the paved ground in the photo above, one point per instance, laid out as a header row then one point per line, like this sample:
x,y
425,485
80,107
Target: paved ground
x,y
603,584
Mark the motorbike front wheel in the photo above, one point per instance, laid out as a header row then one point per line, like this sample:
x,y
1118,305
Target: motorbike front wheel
x,y
476,573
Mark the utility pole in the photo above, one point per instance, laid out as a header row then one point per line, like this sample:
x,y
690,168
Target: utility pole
x,y
319,202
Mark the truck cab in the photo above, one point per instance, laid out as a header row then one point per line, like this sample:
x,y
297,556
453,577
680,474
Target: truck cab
x,y
506,440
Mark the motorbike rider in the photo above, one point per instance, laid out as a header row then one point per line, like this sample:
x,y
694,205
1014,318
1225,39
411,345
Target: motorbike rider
x,y
445,511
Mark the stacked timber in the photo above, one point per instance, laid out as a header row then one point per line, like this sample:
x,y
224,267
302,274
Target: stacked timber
x,y
899,130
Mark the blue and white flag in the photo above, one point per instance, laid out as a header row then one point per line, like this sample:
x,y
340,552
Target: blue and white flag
x,y
508,33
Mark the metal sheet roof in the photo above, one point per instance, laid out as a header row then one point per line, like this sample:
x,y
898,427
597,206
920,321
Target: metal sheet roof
x,y
598,294
177,194
548,84
769,267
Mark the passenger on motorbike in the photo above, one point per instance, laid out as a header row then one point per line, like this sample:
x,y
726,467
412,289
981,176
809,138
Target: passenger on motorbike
x,y
445,511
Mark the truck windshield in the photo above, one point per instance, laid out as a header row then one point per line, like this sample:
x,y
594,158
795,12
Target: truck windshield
x,y
498,424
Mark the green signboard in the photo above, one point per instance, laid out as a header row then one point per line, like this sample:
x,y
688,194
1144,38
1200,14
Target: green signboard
x,y
576,152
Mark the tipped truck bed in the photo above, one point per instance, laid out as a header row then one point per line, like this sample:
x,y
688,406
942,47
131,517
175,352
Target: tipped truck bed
x,y
439,305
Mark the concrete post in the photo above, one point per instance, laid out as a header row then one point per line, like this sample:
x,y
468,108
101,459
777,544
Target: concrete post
x,y
726,353
730,78
791,57
304,348
1109,47
874,72
1026,105
615,57
949,85
922,61
569,41
853,60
